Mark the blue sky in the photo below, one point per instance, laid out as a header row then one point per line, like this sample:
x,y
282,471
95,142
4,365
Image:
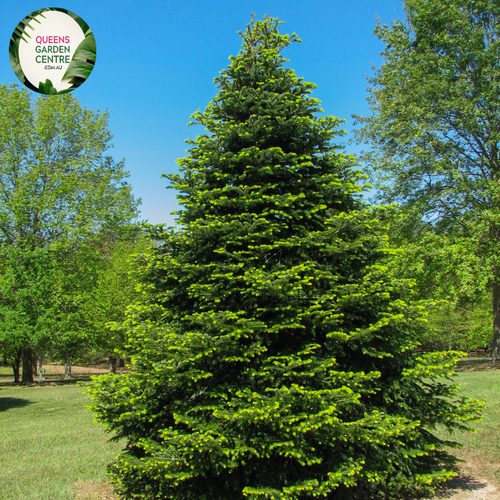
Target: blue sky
x,y
156,61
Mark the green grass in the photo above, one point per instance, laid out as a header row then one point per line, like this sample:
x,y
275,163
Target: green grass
x,y
48,443
483,446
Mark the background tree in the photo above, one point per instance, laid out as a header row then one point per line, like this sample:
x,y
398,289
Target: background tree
x,y
271,356
115,289
30,292
72,335
58,191
434,127
466,328
449,278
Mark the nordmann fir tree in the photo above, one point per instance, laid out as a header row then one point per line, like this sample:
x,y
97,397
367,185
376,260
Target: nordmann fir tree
x,y
271,358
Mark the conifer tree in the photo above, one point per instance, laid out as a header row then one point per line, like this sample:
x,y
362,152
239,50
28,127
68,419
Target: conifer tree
x,y
271,357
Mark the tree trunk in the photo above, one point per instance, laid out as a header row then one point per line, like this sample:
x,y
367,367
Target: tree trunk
x,y
67,368
40,366
495,346
16,364
112,364
27,366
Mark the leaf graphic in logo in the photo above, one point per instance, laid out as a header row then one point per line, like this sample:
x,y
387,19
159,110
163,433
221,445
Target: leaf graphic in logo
x,y
19,34
83,60
47,88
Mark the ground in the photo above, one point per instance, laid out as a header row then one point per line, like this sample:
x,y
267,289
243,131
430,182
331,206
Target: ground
x,y
479,474
470,485
94,491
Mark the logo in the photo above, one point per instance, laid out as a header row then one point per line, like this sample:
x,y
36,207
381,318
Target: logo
x,y
52,51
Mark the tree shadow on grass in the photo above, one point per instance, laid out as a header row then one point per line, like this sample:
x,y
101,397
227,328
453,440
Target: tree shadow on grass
x,y
66,381
49,380
463,482
477,364
9,403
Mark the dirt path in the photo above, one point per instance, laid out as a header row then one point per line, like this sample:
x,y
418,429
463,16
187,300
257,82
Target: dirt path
x,y
94,491
467,487
53,369
473,482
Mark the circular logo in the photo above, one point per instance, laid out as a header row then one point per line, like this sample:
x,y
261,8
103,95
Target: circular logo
x,y
52,51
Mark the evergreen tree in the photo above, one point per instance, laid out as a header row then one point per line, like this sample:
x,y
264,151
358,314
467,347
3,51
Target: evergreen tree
x,y
272,358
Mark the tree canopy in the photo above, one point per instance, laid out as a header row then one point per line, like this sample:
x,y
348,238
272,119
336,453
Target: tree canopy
x,y
60,193
113,291
56,182
434,129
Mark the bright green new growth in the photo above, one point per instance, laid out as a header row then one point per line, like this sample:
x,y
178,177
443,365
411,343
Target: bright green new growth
x,y
272,358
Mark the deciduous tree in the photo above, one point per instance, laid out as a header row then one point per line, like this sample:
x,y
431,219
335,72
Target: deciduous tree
x,y
115,289
434,126
59,192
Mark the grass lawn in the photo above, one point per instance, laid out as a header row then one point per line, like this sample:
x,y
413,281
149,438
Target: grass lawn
x,y
481,450
50,449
